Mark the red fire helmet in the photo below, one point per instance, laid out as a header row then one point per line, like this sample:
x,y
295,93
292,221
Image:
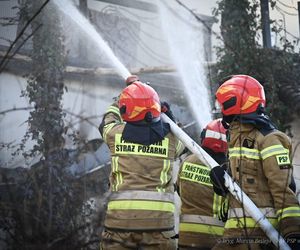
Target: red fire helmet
x,y
213,136
136,100
241,94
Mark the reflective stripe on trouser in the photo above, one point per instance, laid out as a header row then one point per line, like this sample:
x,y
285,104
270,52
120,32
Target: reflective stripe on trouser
x,y
237,218
142,200
201,224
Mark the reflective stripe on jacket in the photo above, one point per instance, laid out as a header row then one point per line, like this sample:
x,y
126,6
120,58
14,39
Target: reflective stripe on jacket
x,y
140,180
261,165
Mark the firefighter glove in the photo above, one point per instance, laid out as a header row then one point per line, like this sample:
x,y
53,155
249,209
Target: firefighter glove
x,y
217,178
165,108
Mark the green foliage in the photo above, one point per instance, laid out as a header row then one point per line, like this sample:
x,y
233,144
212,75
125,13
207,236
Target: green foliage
x,y
45,85
241,54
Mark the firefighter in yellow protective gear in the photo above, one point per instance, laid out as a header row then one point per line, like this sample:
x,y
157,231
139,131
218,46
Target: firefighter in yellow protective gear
x,y
260,162
202,211
140,211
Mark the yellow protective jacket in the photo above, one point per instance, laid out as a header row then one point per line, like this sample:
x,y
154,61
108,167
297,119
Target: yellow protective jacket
x,y
142,189
261,165
199,224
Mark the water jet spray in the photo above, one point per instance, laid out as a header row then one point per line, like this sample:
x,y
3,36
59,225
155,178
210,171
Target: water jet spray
x,y
71,11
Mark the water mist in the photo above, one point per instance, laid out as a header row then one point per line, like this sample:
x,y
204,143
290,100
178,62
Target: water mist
x,y
185,39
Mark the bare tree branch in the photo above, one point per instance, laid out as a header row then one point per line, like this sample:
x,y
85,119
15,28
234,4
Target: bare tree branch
x,y
21,34
83,118
14,109
18,48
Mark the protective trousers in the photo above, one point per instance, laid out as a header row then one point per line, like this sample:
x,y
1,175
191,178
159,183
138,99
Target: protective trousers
x,y
115,240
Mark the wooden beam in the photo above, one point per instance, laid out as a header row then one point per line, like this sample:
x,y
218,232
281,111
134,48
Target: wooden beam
x,y
111,71
134,4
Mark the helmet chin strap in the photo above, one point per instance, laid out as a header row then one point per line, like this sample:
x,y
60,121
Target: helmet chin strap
x,y
260,109
148,117
227,119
